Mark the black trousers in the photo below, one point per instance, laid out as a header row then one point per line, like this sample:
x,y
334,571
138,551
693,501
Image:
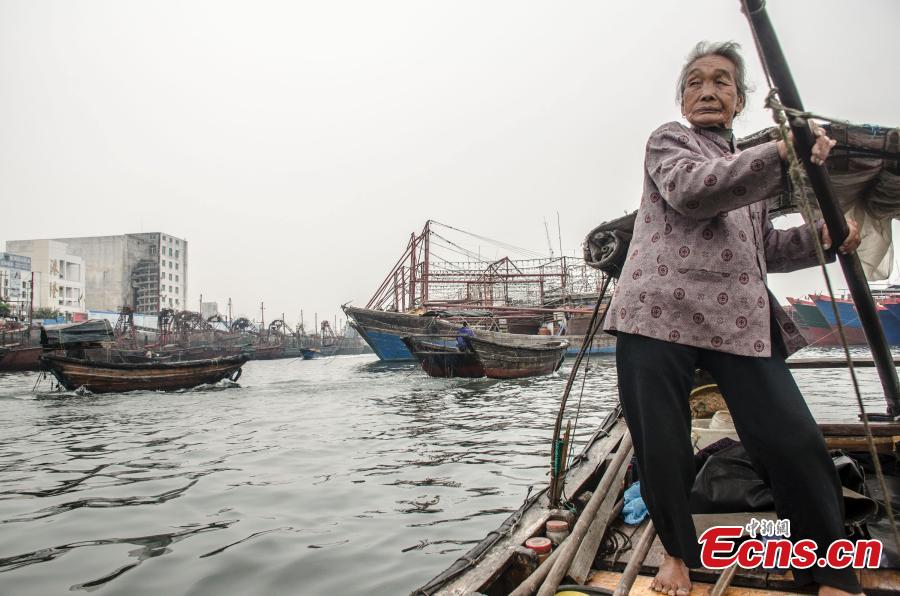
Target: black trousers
x,y
771,418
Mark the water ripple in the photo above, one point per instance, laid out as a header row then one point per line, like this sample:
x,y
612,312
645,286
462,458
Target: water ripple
x,y
306,467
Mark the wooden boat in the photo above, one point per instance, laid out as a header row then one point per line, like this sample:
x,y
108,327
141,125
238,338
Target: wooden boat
x,y
500,564
384,331
507,356
267,352
105,377
439,360
17,358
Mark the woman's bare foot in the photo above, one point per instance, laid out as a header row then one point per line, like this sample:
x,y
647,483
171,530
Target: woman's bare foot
x,y
829,591
672,578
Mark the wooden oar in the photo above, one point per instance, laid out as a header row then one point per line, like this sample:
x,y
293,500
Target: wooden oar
x,y
637,559
569,548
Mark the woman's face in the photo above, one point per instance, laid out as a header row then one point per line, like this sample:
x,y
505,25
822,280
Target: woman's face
x,y
710,95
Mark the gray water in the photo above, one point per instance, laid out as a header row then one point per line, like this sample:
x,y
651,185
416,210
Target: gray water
x,y
341,476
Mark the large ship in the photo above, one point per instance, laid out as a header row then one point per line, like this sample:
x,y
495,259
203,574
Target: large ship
x,y
437,284
816,319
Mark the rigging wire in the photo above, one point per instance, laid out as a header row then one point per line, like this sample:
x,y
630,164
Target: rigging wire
x,y
498,243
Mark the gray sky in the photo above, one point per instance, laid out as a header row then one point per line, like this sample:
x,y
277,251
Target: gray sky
x,y
297,144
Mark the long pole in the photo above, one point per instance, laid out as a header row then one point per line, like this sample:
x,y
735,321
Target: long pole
x,y
775,62
31,304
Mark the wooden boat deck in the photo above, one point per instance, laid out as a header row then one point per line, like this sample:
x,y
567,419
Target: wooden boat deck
x,y
607,570
499,564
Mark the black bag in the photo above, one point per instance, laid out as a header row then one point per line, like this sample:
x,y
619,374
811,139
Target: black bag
x,y
606,246
728,483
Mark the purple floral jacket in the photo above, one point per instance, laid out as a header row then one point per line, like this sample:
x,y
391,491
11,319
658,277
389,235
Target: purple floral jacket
x,y
702,245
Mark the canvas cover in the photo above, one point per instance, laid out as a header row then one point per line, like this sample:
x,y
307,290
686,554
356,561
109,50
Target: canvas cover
x,y
89,332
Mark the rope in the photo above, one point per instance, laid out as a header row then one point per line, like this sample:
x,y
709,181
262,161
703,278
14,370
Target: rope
x,y
795,170
587,368
594,324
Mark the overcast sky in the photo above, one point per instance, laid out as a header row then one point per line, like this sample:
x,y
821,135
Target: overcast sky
x,y
297,144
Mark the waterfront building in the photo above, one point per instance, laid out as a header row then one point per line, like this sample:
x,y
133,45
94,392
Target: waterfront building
x,y
146,271
209,309
59,274
15,278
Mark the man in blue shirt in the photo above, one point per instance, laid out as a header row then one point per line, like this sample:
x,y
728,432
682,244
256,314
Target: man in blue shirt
x,y
461,333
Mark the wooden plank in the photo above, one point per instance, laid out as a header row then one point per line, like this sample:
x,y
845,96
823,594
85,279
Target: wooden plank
x,y
856,429
833,363
878,580
533,520
882,444
609,580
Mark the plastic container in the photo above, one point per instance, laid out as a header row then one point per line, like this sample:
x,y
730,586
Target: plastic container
x,y
540,545
706,431
556,531
721,420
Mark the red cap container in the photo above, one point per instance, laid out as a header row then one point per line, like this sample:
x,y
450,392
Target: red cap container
x,y
539,544
557,525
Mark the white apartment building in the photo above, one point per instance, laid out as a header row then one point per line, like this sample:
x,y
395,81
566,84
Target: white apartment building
x,y
58,275
15,278
146,271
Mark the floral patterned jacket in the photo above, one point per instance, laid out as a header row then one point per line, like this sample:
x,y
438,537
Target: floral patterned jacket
x,y
703,244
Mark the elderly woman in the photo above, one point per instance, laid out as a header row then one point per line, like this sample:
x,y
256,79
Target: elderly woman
x,y
693,294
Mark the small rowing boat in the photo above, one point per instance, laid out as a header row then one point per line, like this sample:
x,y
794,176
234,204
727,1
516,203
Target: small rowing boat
x,y
106,377
440,360
509,356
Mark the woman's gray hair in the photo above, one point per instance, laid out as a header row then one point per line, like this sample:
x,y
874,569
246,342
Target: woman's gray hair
x,y
730,50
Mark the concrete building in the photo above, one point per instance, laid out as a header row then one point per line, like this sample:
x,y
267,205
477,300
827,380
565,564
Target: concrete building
x,y
209,309
15,278
59,275
146,271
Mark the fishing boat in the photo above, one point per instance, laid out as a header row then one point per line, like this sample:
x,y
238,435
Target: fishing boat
x,y
812,325
512,295
849,317
105,377
605,554
507,356
851,321
440,360
19,358
267,352
384,331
